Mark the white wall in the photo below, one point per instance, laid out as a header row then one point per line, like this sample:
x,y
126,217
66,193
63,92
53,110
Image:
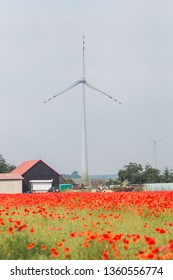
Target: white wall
x,y
10,186
41,187
159,187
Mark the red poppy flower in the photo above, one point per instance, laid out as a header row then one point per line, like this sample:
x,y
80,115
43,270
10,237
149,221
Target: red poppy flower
x,y
85,244
149,240
150,256
54,252
73,234
2,223
43,247
170,246
161,230
59,245
31,230
22,227
126,241
105,255
30,246
106,236
67,249
10,230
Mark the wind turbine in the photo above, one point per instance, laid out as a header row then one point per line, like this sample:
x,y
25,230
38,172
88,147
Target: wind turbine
x,y
84,169
154,147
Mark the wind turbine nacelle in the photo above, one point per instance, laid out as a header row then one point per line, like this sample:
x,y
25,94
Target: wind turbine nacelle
x,y
82,80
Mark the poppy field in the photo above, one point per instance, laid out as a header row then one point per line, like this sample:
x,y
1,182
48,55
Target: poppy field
x,y
87,226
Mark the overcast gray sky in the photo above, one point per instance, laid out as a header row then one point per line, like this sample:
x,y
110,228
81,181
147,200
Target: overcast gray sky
x,y
129,55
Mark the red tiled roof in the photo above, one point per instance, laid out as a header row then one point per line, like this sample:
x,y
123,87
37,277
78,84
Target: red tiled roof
x,y
10,176
25,166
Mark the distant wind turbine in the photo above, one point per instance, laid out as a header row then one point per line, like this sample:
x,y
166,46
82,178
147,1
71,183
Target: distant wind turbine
x,y
154,147
84,169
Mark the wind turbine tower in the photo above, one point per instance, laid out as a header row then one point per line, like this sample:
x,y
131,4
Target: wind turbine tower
x,y
84,168
155,148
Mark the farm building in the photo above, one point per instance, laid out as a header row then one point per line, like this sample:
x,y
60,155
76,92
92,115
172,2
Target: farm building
x,y
37,170
10,183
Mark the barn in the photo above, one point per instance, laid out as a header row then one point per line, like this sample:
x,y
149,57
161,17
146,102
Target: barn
x,y
10,183
37,170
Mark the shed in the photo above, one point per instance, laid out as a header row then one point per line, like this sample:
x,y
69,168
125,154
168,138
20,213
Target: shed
x,y
37,170
10,183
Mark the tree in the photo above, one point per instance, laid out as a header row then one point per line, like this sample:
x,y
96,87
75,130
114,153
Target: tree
x,y
132,173
4,166
167,176
151,175
74,174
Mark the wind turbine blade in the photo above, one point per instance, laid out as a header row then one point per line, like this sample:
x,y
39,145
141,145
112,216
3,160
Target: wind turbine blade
x,y
83,58
149,137
162,138
94,88
72,86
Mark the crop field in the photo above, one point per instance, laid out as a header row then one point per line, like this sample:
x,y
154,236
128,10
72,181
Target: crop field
x,y
87,226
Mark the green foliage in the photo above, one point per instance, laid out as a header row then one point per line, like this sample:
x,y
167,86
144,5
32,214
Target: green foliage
x,y
167,176
151,175
135,174
74,174
131,173
4,166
